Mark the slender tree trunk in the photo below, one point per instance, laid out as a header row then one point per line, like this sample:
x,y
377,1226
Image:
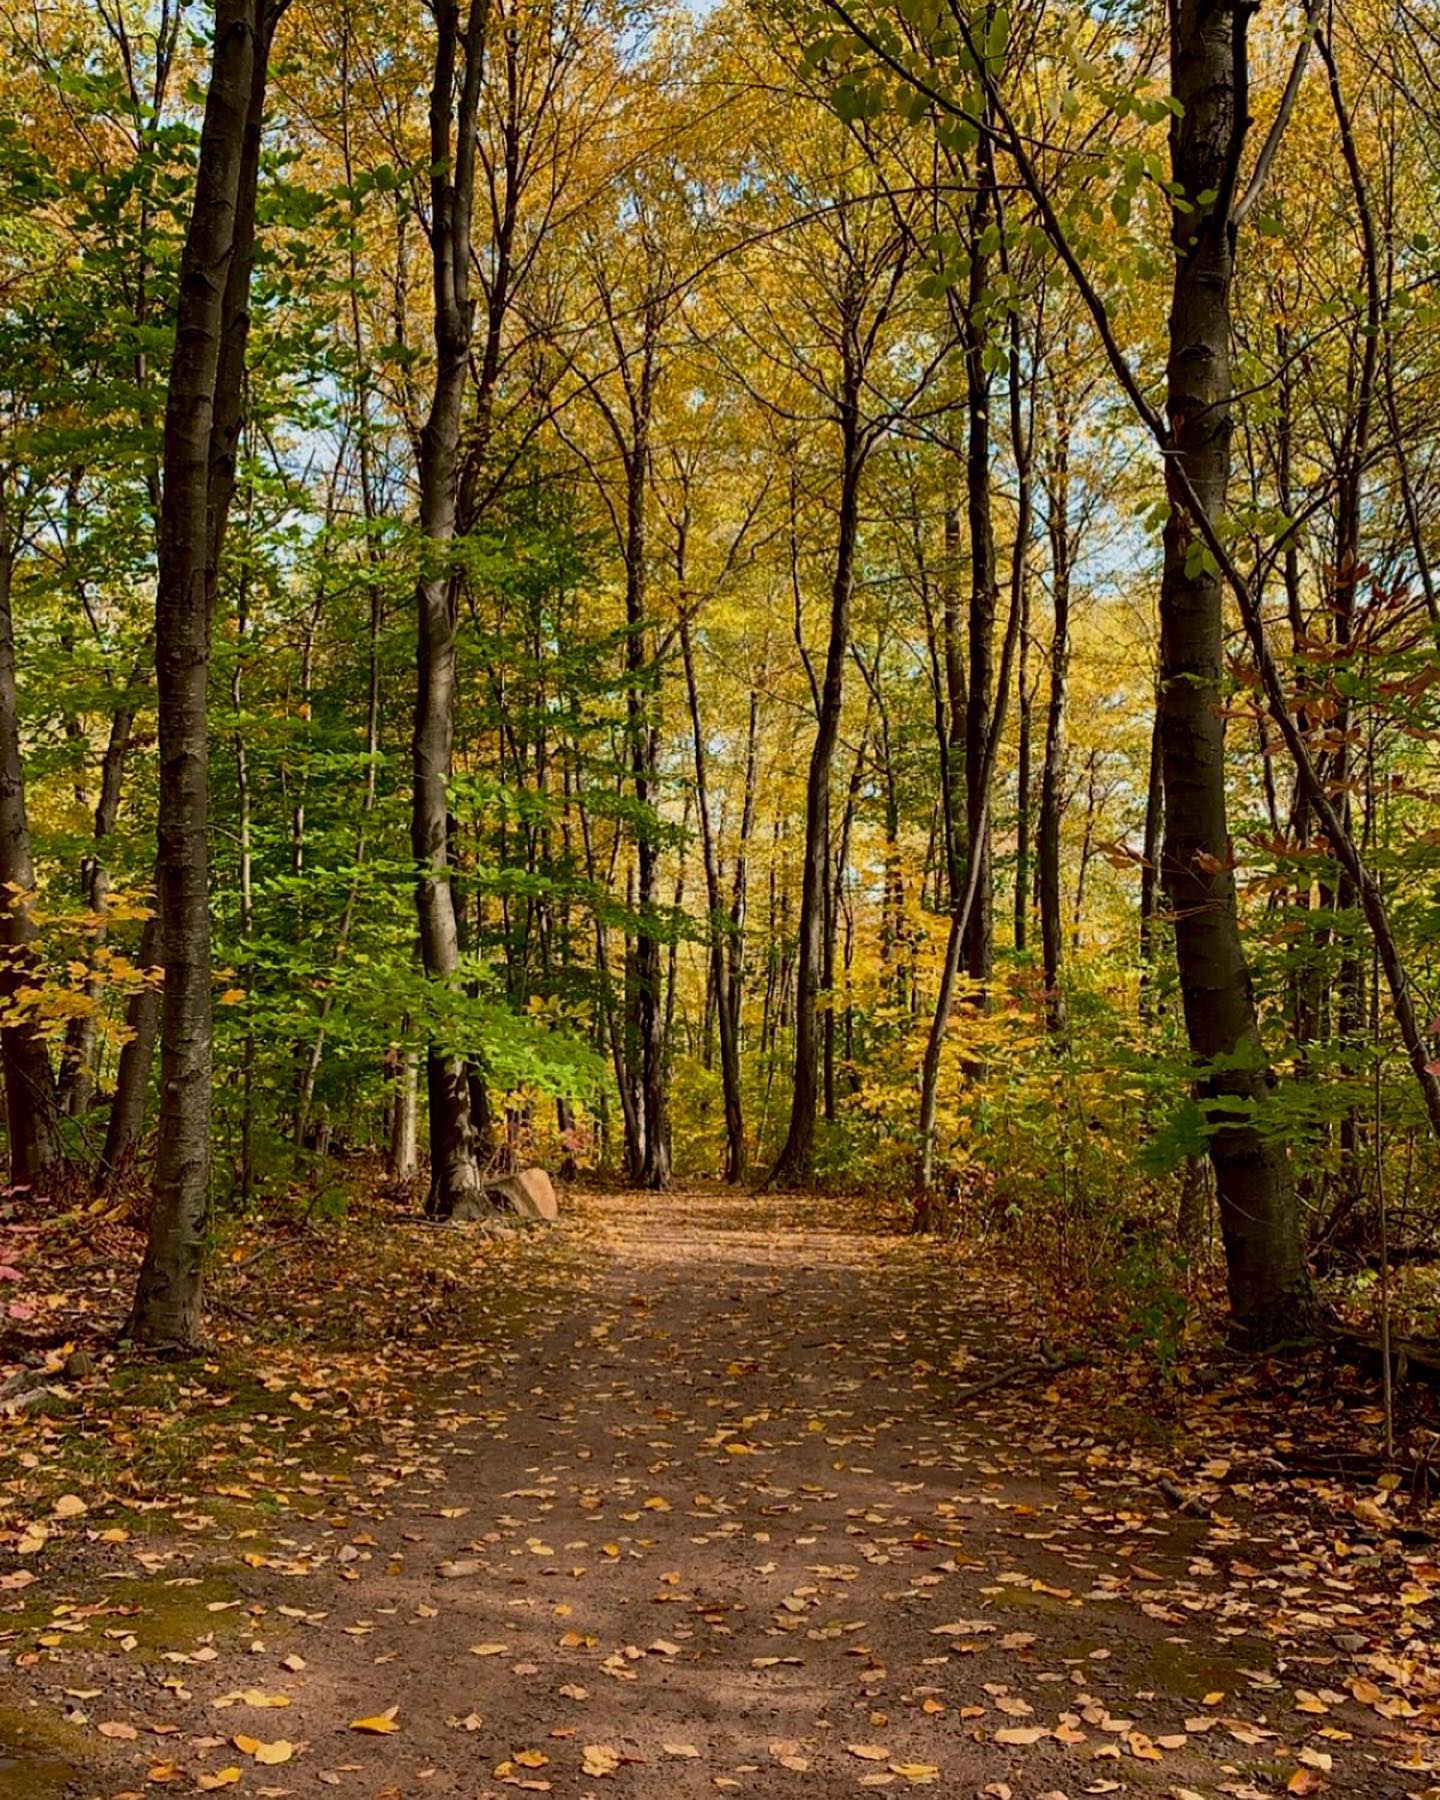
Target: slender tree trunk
x,y
1150,851
30,1102
672,973
892,893
1270,1291
1052,797
1307,978
202,426
736,1149
739,891
77,1085
247,882
950,714
459,53
796,1162
1025,699
1087,850
833,910
404,1135
648,1009
610,1024
984,593
632,1059
1348,572
126,1123
964,899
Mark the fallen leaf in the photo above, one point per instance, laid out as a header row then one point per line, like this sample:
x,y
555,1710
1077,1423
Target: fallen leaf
x,y
378,1724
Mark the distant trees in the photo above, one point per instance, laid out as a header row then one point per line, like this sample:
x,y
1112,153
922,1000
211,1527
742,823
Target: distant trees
x,y
669,521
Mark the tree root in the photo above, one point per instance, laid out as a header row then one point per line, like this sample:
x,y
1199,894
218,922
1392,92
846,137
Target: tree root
x,y
1409,1356
1048,1362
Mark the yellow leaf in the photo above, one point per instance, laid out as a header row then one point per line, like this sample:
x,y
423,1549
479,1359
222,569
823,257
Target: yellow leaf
x,y
221,1778
599,1759
378,1723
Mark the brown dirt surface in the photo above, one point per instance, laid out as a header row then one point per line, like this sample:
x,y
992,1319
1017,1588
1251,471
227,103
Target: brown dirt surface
x,y
693,1501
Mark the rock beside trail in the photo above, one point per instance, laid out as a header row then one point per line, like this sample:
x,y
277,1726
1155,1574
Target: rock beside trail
x,y
528,1194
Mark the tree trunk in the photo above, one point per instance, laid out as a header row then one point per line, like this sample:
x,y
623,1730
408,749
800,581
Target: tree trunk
x,y
796,1162
30,1106
137,1055
963,900
648,1011
834,906
950,712
202,425
77,1085
1052,798
984,592
739,890
404,1137
736,1149
454,1172
892,893
609,1022
1150,853
1022,784
246,871
1270,1293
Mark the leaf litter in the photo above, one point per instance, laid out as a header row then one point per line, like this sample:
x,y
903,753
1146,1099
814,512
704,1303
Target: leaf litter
x,y
679,1498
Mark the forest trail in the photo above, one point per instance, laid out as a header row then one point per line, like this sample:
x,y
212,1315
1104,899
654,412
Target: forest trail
x,y
714,1517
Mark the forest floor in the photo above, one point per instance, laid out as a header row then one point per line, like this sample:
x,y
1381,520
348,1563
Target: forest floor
x,y
687,1496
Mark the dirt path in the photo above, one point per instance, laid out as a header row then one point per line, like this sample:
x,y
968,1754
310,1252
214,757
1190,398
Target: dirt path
x,y
714,1520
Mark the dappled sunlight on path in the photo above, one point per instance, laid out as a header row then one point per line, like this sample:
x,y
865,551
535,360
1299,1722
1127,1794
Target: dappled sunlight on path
x,y
716,1516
